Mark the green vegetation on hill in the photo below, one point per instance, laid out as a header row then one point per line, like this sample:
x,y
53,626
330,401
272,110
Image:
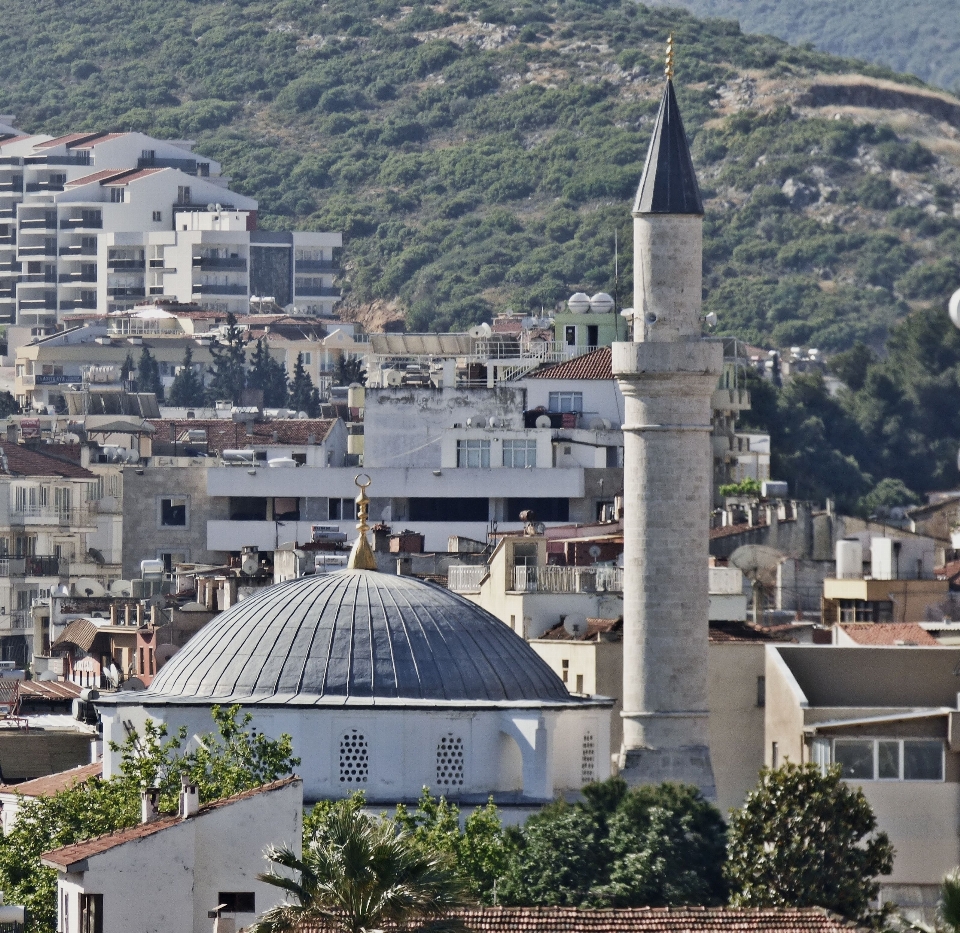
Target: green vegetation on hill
x,y
921,37
479,156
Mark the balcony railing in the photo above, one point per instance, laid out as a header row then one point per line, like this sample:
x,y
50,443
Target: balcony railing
x,y
220,262
125,292
568,579
204,288
466,578
126,265
43,514
33,566
314,291
69,277
19,620
316,265
38,223
77,223
78,250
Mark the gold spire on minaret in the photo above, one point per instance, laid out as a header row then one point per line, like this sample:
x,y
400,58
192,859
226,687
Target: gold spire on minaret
x,y
668,71
361,556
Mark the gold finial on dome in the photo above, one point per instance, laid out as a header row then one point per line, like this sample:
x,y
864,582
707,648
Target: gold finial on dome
x,y
668,71
361,556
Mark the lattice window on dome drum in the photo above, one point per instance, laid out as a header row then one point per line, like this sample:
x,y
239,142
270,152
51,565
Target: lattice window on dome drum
x,y
588,759
450,761
354,758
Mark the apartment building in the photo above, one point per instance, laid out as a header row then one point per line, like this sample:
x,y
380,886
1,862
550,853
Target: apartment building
x,y
103,220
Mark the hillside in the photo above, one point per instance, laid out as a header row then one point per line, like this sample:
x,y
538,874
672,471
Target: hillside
x,y
920,37
481,156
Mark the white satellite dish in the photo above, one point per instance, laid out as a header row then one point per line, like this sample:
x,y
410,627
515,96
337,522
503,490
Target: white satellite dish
x,y
164,653
954,308
87,586
121,588
575,625
579,303
393,377
543,421
758,564
600,424
492,422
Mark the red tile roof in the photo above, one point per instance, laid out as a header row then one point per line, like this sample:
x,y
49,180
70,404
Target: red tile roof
x,y
134,176
888,633
596,628
232,435
65,140
16,139
648,920
52,460
595,365
68,856
743,632
54,783
98,140
96,176
48,690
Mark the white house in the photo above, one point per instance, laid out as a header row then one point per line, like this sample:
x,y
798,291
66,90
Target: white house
x,y
170,873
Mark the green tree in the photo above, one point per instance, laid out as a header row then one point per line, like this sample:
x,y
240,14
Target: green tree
x,y
233,758
480,852
359,872
268,375
8,404
229,369
886,495
620,847
303,393
148,375
128,367
804,839
746,487
852,365
347,370
948,910
187,389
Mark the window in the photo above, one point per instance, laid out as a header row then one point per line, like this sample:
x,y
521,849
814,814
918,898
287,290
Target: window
x,y
566,401
172,558
474,454
761,691
157,216
117,195
544,509
237,902
183,194
885,759
465,509
64,911
520,454
579,684
565,670
588,759
307,358
173,511
570,335
354,758
341,510
91,913
450,761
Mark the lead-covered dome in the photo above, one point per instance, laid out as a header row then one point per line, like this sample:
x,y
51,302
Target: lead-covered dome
x,y
356,638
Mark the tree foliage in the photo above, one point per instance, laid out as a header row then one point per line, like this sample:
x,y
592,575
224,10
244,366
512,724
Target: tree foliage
x,y
268,375
360,872
233,758
148,374
304,395
803,839
229,369
646,846
187,388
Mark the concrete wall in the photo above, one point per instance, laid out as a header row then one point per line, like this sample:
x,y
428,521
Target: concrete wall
x,y
783,713
143,535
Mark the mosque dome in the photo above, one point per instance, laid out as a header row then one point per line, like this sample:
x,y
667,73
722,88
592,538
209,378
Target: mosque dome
x,y
356,638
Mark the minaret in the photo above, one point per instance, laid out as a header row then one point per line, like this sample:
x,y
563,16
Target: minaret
x,y
667,376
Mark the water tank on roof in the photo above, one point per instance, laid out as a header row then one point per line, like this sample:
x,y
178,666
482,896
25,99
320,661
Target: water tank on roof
x,y
280,463
601,303
238,456
579,303
849,555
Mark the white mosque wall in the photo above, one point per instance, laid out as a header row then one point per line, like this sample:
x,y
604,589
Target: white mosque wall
x,y
391,754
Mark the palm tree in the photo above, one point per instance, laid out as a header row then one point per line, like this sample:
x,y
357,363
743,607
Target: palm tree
x,y
359,873
948,910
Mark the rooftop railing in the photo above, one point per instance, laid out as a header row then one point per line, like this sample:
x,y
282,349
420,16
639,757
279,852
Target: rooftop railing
x,y
567,579
466,578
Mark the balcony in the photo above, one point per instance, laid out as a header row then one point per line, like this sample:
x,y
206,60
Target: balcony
x,y
78,304
48,249
39,223
39,304
33,566
220,262
125,291
15,187
313,291
126,265
189,166
204,288
47,515
78,250
77,277
568,579
467,579
82,223
34,186
316,265
19,620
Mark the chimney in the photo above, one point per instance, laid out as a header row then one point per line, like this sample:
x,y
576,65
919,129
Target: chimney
x,y
139,615
189,798
113,613
149,804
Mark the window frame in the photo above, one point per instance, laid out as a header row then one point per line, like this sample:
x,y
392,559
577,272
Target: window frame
x,y
565,401
170,497
467,447
526,447
874,742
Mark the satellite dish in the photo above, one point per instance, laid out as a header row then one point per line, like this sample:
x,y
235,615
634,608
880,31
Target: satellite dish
x,y
594,551
121,588
600,424
579,303
758,564
393,377
954,308
543,421
133,684
46,676
193,606
211,206
164,653
97,556
492,422
575,625
87,586
601,303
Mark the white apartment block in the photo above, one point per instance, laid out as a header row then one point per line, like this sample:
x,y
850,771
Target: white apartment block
x,y
101,221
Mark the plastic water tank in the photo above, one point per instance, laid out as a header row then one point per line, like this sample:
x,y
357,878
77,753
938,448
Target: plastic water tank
x,y
355,395
849,560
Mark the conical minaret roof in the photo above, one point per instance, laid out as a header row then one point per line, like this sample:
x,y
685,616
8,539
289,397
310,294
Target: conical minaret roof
x,y
669,183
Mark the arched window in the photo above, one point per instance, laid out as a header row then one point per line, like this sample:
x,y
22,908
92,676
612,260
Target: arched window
x,y
450,761
588,759
354,758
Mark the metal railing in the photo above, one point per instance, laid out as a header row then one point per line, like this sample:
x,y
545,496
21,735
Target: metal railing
x,y
33,566
568,579
43,513
466,578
